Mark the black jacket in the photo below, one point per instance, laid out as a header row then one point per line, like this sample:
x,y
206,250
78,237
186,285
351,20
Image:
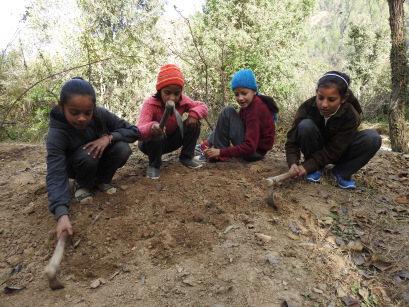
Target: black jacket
x,y
63,139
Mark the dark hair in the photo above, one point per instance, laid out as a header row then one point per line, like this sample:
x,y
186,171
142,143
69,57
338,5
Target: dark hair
x,y
76,87
79,87
158,96
271,104
341,81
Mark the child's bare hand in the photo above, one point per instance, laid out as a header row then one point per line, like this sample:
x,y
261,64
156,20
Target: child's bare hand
x,y
98,146
192,123
63,223
156,131
299,169
212,153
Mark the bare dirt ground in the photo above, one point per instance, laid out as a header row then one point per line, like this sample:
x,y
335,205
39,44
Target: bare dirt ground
x,y
191,238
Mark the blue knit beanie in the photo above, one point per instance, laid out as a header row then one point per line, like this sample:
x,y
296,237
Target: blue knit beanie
x,y
244,78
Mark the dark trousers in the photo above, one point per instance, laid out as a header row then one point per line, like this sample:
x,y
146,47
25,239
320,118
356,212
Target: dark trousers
x,y
362,148
155,148
85,169
230,129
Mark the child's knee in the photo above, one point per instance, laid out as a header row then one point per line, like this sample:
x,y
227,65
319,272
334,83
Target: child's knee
x,y
85,158
306,126
228,109
123,150
373,139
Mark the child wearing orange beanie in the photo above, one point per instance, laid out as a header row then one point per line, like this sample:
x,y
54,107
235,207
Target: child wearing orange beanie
x,y
155,141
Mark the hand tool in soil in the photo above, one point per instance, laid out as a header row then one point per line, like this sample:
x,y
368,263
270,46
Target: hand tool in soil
x,y
169,108
271,182
52,268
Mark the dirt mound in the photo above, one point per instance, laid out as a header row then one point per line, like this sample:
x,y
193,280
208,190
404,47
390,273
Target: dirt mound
x,y
192,238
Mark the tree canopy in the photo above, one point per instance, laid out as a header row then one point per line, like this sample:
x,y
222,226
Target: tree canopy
x,y
120,45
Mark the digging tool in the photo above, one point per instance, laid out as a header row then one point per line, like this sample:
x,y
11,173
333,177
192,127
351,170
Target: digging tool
x,y
169,108
52,267
272,181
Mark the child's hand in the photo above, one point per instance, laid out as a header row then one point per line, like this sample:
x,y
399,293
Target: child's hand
x,y
192,123
299,169
212,153
156,131
63,223
98,146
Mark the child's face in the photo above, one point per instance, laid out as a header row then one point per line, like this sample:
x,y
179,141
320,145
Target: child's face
x,y
78,111
171,92
244,96
328,100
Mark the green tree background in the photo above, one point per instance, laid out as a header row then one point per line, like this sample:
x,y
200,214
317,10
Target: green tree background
x,y
119,46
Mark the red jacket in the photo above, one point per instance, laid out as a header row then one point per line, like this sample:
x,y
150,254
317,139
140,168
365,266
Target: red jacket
x,y
153,109
260,131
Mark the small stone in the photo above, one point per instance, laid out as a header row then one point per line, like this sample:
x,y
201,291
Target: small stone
x,y
28,251
13,260
339,241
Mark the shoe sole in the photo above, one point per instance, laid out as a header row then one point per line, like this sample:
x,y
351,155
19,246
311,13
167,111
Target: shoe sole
x,y
347,187
341,186
193,167
154,178
314,180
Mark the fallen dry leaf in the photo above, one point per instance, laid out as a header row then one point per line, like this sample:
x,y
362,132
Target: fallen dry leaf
x,y
354,246
382,265
394,231
403,199
361,218
263,237
363,292
191,281
358,259
350,302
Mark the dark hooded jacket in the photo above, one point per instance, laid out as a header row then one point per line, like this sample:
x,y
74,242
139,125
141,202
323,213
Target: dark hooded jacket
x,y
338,134
63,140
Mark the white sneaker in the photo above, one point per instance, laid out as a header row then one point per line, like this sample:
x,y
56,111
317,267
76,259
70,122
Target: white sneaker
x,y
201,158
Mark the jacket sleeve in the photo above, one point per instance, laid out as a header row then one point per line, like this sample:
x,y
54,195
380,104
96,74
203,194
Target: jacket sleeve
x,y
120,129
292,149
58,187
146,121
196,109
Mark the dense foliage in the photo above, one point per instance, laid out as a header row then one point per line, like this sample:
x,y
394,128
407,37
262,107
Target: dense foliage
x,y
119,46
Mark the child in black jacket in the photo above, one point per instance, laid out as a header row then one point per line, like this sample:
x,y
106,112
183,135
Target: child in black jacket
x,y
86,143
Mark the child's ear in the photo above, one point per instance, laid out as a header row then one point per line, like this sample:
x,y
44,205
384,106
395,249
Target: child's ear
x,y
60,106
345,98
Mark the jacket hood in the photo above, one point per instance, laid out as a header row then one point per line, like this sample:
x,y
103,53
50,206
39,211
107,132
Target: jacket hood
x,y
57,119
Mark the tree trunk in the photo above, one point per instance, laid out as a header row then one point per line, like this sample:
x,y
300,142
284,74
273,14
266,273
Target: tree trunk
x,y
399,66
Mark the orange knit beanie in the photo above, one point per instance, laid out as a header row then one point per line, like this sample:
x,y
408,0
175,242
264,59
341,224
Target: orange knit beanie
x,y
169,74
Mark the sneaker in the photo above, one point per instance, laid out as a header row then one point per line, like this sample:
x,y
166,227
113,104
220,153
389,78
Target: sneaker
x,y
190,163
315,177
153,172
200,148
201,158
345,184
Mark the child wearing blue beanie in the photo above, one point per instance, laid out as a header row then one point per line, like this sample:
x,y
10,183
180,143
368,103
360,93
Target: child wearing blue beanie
x,y
251,131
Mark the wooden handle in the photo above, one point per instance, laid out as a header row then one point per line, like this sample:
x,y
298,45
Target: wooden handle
x,y
276,179
168,110
51,268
